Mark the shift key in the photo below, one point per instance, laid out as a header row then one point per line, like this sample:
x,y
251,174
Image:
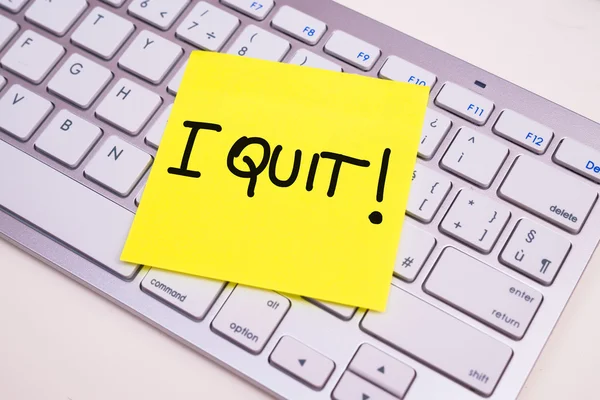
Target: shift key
x,y
562,199
250,316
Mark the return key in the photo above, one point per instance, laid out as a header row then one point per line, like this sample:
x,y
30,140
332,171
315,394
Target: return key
x,y
485,293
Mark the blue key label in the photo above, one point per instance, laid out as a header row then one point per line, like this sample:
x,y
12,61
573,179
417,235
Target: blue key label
x,y
309,31
363,56
417,81
592,167
476,110
535,139
256,6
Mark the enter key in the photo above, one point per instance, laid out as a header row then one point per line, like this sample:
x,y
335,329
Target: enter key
x,y
485,293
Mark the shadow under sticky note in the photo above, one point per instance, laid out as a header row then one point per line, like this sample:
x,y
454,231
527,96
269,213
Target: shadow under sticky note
x,y
282,177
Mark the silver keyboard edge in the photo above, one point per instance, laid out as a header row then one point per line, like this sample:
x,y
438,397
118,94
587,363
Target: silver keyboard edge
x,y
341,346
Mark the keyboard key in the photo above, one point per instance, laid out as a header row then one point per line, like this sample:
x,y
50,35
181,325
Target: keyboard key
x,y
435,129
310,59
190,295
157,129
8,28
128,106
158,13
13,6
483,292
254,9
56,16
32,56
118,166
475,157
579,158
475,220
383,370
299,25
173,85
49,199
2,82
80,80
302,362
22,112
352,50
250,316
428,190
464,103
150,56
68,138
523,131
102,33
353,387
114,3
415,247
535,251
559,198
443,342
207,27
341,311
397,69
138,196
258,43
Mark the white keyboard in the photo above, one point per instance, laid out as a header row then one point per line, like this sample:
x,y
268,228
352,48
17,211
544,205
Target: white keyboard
x,y
501,222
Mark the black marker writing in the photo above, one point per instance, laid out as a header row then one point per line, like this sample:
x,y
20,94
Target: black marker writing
x,y
195,126
339,160
314,163
253,169
273,167
375,217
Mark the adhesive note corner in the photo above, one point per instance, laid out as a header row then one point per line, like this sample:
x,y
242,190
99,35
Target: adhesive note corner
x,y
282,177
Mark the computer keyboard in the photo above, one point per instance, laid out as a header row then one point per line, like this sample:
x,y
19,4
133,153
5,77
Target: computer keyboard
x,y
501,221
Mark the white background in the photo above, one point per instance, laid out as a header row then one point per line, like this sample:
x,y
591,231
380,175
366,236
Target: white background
x,y
60,341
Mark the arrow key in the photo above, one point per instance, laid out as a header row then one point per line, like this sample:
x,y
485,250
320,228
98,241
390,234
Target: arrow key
x,y
383,370
353,387
302,362
158,13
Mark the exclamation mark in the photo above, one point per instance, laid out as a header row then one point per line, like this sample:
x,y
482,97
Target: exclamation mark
x,y
375,217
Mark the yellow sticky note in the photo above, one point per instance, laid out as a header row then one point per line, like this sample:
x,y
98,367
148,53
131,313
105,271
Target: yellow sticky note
x,y
282,177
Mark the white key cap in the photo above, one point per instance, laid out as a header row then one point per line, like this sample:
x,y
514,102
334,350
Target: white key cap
x,y
397,69
475,157
352,50
303,363
118,166
428,190
299,25
309,59
138,196
128,106
250,316
157,129
435,129
56,16
173,85
257,43
13,6
483,292
8,28
579,158
464,103
68,138
535,251
102,33
49,198
114,3
80,80
445,343
415,247
190,295
2,82
22,112
207,27
383,370
475,220
523,131
560,198
255,9
339,310
353,387
150,56
32,56
158,13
